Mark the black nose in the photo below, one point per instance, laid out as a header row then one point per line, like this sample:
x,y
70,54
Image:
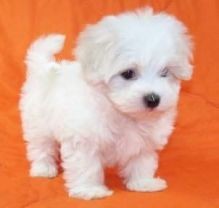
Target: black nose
x,y
151,100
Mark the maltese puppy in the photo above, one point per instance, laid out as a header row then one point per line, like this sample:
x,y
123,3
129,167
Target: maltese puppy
x,y
114,106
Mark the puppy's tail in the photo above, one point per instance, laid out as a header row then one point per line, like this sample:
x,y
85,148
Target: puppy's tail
x,y
40,56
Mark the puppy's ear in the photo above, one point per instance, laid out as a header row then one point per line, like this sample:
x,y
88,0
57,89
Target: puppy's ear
x,y
184,69
184,72
93,47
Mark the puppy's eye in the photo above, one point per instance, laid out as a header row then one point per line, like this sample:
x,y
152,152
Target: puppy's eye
x,y
128,74
164,72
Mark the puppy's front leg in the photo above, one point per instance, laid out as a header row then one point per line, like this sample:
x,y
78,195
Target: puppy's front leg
x,y
83,171
139,173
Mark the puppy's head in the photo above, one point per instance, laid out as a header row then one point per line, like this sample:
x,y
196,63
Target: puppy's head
x,y
140,57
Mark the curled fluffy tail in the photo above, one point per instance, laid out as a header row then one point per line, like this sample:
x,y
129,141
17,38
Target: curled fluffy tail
x,y
41,53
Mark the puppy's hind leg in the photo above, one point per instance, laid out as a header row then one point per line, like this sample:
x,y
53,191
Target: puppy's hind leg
x,y
43,155
83,171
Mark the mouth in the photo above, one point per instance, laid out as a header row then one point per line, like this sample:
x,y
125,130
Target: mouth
x,y
148,112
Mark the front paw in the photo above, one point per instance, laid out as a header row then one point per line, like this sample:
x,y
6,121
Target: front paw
x,y
90,192
147,185
43,169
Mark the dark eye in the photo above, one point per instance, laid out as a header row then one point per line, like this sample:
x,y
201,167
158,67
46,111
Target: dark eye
x,y
164,72
128,74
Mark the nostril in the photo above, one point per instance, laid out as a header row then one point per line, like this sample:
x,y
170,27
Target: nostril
x,y
151,100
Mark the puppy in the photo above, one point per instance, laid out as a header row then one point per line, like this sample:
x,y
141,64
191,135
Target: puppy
x,y
115,105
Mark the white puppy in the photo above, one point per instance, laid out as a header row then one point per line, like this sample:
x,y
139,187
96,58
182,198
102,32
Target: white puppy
x,y
115,106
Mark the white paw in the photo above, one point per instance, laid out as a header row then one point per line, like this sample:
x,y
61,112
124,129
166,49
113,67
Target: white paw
x,y
147,185
90,192
43,169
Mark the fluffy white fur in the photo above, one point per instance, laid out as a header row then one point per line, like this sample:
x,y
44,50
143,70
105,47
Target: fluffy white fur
x,y
93,116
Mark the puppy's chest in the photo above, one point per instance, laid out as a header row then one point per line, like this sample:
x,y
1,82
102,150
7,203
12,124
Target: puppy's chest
x,y
127,142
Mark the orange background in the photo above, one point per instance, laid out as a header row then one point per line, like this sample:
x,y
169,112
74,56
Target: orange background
x,y
190,163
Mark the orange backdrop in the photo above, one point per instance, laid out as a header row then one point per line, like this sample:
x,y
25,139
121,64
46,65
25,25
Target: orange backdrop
x,y
190,163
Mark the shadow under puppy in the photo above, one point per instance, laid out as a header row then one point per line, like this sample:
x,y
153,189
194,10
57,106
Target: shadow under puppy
x,y
114,105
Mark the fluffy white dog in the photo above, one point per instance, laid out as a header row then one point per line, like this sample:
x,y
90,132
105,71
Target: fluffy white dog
x,y
115,105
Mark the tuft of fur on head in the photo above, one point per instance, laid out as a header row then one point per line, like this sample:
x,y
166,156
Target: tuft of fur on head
x,y
100,45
